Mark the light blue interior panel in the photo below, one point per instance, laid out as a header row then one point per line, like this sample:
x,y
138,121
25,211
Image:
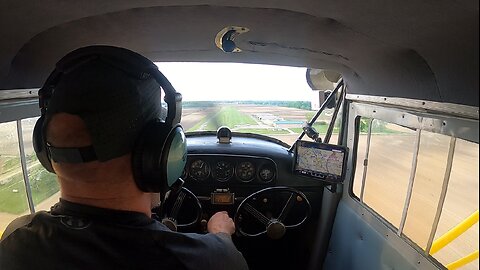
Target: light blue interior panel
x,y
356,245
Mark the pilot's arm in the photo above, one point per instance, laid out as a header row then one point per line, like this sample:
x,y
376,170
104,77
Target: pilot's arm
x,y
213,251
220,222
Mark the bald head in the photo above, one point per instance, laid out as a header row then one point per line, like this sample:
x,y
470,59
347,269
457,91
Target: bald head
x,y
68,130
107,184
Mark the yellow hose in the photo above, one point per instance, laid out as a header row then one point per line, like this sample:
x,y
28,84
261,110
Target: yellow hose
x,y
455,232
465,260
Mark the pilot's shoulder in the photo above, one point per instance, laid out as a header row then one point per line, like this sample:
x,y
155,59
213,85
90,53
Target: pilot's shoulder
x,y
16,224
20,222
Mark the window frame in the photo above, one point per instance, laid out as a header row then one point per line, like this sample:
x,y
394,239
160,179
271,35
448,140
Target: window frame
x,y
452,126
18,107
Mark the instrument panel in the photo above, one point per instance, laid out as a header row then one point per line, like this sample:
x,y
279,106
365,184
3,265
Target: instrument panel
x,y
232,169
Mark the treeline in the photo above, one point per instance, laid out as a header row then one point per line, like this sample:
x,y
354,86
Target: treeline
x,y
199,104
304,105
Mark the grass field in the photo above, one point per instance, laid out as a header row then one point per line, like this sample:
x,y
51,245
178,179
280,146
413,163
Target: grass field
x,y
230,117
13,195
240,119
199,124
8,164
224,116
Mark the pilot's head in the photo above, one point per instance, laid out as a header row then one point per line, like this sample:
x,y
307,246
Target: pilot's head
x,y
100,107
103,121
113,105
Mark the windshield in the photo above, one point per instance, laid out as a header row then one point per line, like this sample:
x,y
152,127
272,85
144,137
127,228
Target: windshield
x,y
263,99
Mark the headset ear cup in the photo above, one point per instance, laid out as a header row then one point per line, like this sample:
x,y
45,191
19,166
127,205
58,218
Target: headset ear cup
x,y
39,145
155,164
174,155
146,157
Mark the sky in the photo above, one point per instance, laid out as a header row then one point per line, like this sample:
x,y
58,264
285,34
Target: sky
x,y
236,81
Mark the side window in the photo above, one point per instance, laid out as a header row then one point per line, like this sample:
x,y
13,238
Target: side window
x,y
386,168
460,207
13,197
43,184
425,185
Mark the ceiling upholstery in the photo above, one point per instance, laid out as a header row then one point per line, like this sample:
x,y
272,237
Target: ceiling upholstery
x,y
414,49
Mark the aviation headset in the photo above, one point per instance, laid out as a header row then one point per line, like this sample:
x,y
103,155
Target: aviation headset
x,y
159,153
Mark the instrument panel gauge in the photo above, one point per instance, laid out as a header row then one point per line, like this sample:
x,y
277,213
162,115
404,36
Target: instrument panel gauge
x,y
245,171
266,174
223,171
199,170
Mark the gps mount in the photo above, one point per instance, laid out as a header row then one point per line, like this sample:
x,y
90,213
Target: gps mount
x,y
311,132
308,128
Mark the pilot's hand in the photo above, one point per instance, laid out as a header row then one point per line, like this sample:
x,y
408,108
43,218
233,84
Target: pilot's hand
x,y
220,222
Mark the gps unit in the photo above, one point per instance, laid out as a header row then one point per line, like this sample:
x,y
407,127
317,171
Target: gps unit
x,y
319,160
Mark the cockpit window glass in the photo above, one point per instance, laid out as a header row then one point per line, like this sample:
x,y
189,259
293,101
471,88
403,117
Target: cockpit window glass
x,y
263,99
390,158
336,127
388,167
13,198
43,184
461,203
429,175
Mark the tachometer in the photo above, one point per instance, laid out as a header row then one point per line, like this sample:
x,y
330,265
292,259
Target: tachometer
x,y
199,170
223,171
245,171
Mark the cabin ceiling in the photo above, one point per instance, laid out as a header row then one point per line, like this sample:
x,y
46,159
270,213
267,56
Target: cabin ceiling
x,y
414,49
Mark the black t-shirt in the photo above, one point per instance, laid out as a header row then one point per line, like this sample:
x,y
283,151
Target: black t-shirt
x,y
74,236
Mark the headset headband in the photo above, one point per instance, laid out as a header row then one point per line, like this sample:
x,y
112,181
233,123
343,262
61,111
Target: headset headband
x,y
129,62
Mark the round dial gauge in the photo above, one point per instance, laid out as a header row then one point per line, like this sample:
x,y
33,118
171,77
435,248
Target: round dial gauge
x,y
184,174
245,171
223,171
266,174
199,170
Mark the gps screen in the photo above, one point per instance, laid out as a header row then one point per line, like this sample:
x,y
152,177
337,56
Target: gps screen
x,y
323,161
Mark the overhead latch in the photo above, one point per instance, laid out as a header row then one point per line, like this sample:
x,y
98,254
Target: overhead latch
x,y
225,39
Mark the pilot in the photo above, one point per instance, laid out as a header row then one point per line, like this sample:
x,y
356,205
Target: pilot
x,y
97,107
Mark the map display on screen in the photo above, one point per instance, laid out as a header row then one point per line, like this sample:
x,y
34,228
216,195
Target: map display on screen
x,y
319,160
